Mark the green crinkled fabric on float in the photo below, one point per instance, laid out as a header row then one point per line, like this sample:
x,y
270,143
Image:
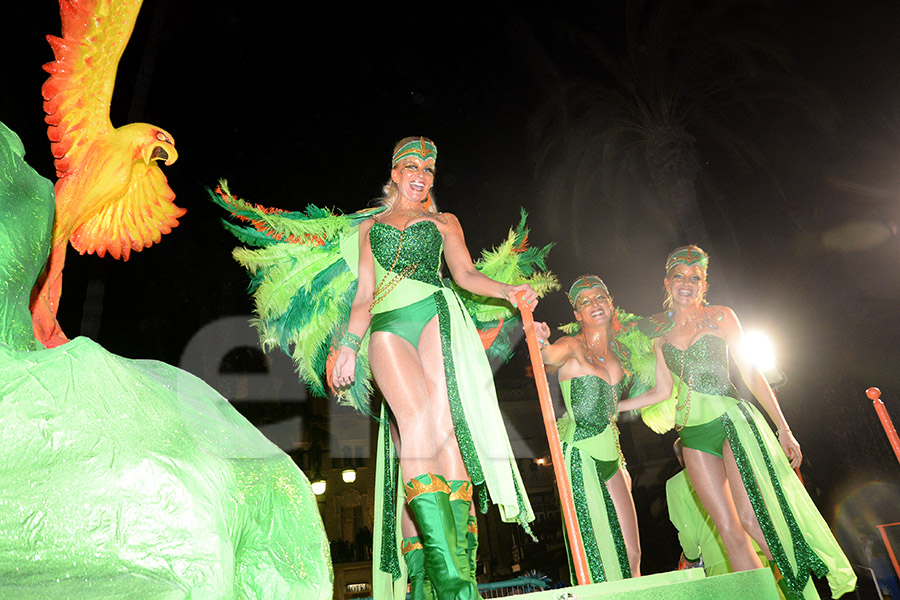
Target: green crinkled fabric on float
x,y
131,478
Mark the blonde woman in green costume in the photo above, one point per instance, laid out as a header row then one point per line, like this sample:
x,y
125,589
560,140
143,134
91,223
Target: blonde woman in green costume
x,y
594,386
430,365
742,473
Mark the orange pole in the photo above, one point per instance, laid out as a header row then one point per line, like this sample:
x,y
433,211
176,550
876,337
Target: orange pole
x,y
874,395
579,559
887,544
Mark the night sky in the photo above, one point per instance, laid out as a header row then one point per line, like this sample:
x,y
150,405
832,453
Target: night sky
x,y
295,105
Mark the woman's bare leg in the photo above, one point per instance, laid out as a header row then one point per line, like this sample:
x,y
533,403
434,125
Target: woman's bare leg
x,y
742,501
709,478
413,385
621,496
401,378
407,524
449,458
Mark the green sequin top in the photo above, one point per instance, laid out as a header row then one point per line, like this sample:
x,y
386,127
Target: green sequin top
x,y
593,404
705,365
706,391
419,256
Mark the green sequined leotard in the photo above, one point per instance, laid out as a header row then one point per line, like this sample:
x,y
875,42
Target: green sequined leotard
x,y
589,437
131,478
702,369
408,293
709,412
418,259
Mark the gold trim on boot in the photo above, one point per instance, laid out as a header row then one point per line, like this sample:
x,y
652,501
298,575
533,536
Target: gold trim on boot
x,y
472,546
415,487
428,497
461,493
413,553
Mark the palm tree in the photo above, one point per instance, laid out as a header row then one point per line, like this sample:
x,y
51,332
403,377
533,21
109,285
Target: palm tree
x,y
631,132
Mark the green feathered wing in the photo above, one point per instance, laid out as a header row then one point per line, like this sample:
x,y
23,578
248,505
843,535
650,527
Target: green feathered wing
x,y
302,285
632,341
303,278
513,262
659,417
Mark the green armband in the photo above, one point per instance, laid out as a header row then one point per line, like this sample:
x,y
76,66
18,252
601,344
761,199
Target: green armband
x,y
352,341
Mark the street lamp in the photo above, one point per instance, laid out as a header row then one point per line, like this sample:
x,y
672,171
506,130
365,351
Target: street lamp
x,y
318,483
348,475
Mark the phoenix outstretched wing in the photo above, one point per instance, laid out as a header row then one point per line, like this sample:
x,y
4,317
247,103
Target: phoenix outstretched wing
x,y
111,195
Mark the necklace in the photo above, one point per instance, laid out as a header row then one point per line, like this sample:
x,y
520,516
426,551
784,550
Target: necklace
x,y
686,405
703,322
589,353
392,279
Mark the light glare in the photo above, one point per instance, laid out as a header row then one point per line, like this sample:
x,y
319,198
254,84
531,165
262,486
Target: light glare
x,y
760,349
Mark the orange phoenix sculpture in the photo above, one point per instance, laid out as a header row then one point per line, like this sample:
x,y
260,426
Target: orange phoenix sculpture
x,y
111,195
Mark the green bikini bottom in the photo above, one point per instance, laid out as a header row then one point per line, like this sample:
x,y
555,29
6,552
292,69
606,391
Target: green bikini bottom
x,y
607,468
407,321
708,437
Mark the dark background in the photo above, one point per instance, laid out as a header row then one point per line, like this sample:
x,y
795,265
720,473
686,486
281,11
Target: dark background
x,y
297,105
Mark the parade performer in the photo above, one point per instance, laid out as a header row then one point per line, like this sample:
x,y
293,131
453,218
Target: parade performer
x,y
590,363
123,477
742,472
360,294
697,533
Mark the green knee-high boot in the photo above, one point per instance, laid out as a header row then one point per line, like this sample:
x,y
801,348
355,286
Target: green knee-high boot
x,y
428,497
472,545
466,526
461,503
414,554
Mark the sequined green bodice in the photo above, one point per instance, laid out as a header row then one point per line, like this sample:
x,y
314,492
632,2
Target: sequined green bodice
x,y
705,365
594,404
414,252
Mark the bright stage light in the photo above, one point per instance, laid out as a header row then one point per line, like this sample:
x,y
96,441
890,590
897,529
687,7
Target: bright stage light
x,y
761,350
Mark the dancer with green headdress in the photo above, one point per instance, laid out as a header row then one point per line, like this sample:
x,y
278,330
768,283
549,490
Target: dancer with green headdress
x,y
741,471
593,367
357,295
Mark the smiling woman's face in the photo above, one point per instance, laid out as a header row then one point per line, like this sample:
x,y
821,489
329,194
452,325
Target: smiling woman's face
x,y
414,178
592,307
686,284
